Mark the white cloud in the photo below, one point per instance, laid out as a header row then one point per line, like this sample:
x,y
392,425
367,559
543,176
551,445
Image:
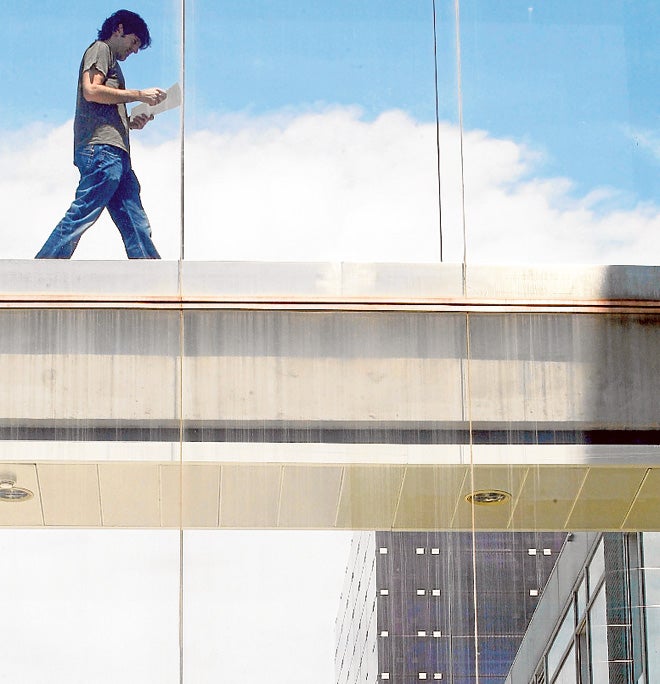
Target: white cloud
x,y
329,186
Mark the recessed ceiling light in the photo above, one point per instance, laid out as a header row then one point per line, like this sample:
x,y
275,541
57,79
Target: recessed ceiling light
x,y
486,497
10,492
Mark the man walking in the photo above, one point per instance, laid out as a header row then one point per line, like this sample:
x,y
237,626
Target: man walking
x,y
101,145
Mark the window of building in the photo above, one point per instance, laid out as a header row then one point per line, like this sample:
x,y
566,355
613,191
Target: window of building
x,y
651,564
603,635
581,598
596,568
568,674
583,654
598,638
560,643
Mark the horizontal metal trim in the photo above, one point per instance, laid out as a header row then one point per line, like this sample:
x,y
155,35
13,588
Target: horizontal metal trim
x,y
575,307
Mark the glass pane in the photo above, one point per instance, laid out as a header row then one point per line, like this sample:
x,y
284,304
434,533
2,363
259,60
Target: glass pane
x,y
561,641
653,644
290,434
581,598
89,433
36,152
568,673
90,605
560,141
596,568
345,419
651,550
598,638
311,135
271,593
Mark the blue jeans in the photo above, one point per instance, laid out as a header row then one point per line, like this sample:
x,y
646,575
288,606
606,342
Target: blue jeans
x,y
106,181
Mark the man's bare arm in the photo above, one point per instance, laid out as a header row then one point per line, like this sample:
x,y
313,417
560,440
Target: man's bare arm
x,y
94,90
140,121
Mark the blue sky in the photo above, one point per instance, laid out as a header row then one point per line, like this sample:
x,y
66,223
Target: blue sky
x,y
579,82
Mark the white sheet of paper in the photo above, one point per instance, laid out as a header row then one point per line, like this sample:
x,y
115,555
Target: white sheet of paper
x,y
172,100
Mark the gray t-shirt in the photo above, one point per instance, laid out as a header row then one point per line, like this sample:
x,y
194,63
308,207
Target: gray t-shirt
x,y
100,124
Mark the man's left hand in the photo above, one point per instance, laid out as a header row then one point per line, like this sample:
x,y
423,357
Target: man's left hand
x,y
140,121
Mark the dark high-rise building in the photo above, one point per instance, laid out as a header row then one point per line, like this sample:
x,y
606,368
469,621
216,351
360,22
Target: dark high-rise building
x,y
413,602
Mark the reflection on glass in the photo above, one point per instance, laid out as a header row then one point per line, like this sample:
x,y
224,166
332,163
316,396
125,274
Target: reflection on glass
x,y
311,134
598,638
561,642
567,674
653,643
581,599
651,550
583,655
559,101
596,568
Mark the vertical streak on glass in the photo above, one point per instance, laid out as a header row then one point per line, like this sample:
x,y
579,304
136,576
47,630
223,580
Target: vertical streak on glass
x,y
182,130
468,401
182,122
181,352
437,122
459,94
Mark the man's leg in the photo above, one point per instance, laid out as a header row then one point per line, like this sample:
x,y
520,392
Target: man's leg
x,y
100,173
125,208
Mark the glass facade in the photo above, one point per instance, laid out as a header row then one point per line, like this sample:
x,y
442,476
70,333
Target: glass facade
x,y
359,330
612,642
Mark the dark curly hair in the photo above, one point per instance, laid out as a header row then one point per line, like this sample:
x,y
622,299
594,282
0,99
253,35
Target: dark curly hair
x,y
131,23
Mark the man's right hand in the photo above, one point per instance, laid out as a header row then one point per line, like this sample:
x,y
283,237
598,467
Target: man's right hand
x,y
152,96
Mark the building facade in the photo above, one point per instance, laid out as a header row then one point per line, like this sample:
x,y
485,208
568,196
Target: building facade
x,y
422,596
582,608
597,622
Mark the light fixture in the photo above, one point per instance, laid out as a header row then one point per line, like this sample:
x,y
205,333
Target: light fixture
x,y
485,497
10,492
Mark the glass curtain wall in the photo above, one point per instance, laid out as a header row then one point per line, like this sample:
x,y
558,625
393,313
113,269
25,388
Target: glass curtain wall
x,y
236,450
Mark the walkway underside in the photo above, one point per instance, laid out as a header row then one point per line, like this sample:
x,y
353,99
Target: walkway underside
x,y
322,496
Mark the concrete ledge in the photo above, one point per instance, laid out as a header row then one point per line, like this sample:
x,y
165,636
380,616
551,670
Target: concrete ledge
x,y
173,282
